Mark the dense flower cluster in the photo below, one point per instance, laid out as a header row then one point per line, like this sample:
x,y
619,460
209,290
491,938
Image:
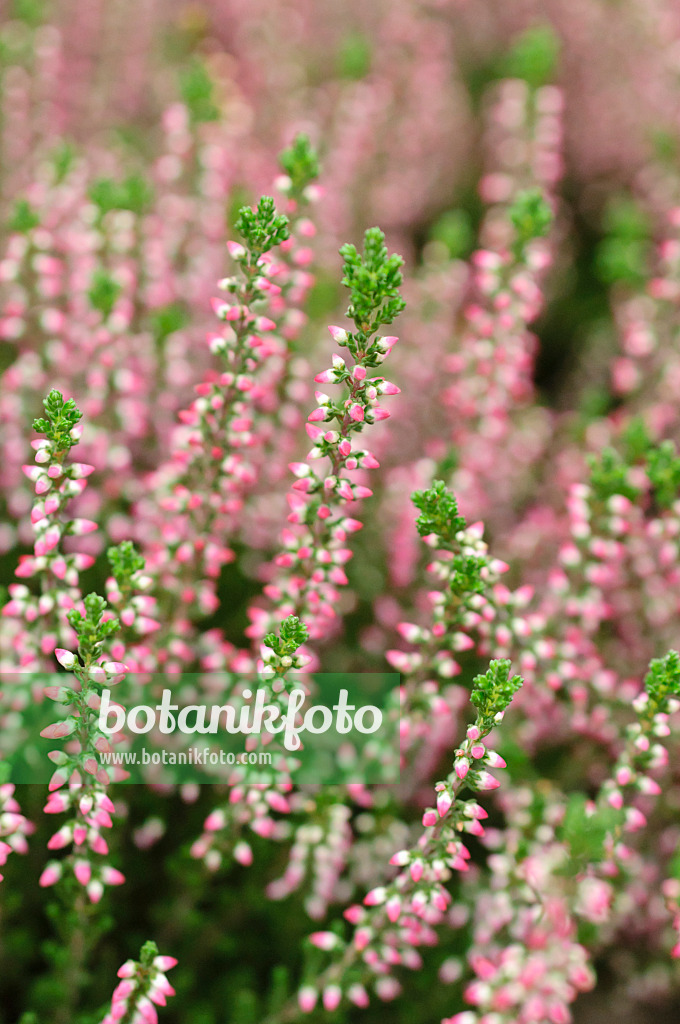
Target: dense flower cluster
x,y
143,987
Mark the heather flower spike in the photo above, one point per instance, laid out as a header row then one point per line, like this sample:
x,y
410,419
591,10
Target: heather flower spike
x,y
143,987
78,785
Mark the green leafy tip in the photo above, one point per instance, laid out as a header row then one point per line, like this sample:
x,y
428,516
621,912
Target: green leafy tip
x,y
124,560
438,512
262,228
662,681
103,292
493,691
292,634
60,422
197,90
134,193
609,475
373,280
92,629
534,56
300,162
530,216
148,953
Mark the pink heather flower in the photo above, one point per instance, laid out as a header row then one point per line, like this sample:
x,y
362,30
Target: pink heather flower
x,y
444,802
65,658
338,334
51,874
324,940
487,781
331,997
307,998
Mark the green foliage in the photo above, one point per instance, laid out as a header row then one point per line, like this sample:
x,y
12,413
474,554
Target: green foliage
x,y
147,953
373,280
530,216
636,440
300,162
354,56
62,416
662,681
168,319
30,11
623,255
438,512
197,90
92,628
133,193
466,577
585,831
262,228
493,691
23,218
534,56
663,470
63,158
292,634
609,476
674,865
610,472
124,560
103,292
454,230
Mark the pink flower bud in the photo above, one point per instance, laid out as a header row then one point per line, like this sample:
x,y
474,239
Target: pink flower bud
x,y
332,995
444,802
65,658
307,998
81,526
51,874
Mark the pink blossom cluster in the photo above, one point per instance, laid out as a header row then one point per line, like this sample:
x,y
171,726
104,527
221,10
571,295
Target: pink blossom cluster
x,y
143,986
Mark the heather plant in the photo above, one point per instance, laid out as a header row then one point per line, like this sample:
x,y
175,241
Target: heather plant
x,y
225,496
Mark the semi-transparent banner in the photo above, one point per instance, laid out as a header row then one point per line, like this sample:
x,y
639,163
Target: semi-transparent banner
x,y
203,728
